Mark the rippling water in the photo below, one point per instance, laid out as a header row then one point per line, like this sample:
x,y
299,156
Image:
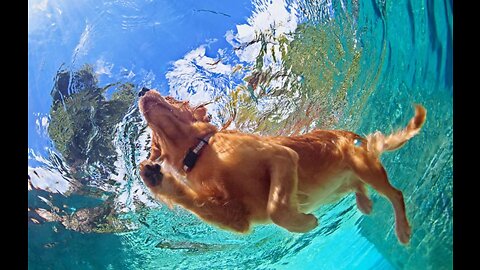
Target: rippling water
x,y
281,67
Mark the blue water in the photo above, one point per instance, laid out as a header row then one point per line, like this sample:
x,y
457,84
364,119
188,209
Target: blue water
x,y
295,66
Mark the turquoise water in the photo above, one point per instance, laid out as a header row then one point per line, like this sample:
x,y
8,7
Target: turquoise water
x,y
285,67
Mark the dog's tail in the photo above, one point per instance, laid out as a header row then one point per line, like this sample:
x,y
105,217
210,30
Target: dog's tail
x,y
377,143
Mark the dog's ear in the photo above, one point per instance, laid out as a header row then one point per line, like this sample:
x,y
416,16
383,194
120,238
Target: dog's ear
x,y
200,114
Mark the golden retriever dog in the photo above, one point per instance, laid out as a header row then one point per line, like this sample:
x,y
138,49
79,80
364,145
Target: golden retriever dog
x,y
234,180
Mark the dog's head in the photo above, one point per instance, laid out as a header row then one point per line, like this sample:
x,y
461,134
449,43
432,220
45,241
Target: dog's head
x,y
199,113
168,116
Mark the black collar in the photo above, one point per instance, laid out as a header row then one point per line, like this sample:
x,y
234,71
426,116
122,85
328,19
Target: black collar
x,y
193,153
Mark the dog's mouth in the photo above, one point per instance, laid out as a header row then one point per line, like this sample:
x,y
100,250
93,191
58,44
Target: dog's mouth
x,y
153,107
152,101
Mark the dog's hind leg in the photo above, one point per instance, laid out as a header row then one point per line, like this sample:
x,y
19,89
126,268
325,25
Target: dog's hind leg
x,y
282,201
369,169
364,203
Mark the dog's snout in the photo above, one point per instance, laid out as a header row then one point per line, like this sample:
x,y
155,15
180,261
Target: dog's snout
x,y
143,91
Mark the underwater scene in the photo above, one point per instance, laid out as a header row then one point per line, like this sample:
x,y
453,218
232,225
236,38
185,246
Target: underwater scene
x,y
267,67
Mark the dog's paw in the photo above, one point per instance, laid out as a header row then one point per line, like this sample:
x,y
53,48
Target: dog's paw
x,y
364,204
306,223
151,173
403,233
312,222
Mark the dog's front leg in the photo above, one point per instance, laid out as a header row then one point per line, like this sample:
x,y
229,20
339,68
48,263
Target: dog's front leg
x,y
230,214
282,201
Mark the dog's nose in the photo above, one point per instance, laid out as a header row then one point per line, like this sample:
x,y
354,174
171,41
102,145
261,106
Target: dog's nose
x,y
143,91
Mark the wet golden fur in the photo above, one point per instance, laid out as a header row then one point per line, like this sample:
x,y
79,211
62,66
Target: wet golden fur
x,y
243,179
